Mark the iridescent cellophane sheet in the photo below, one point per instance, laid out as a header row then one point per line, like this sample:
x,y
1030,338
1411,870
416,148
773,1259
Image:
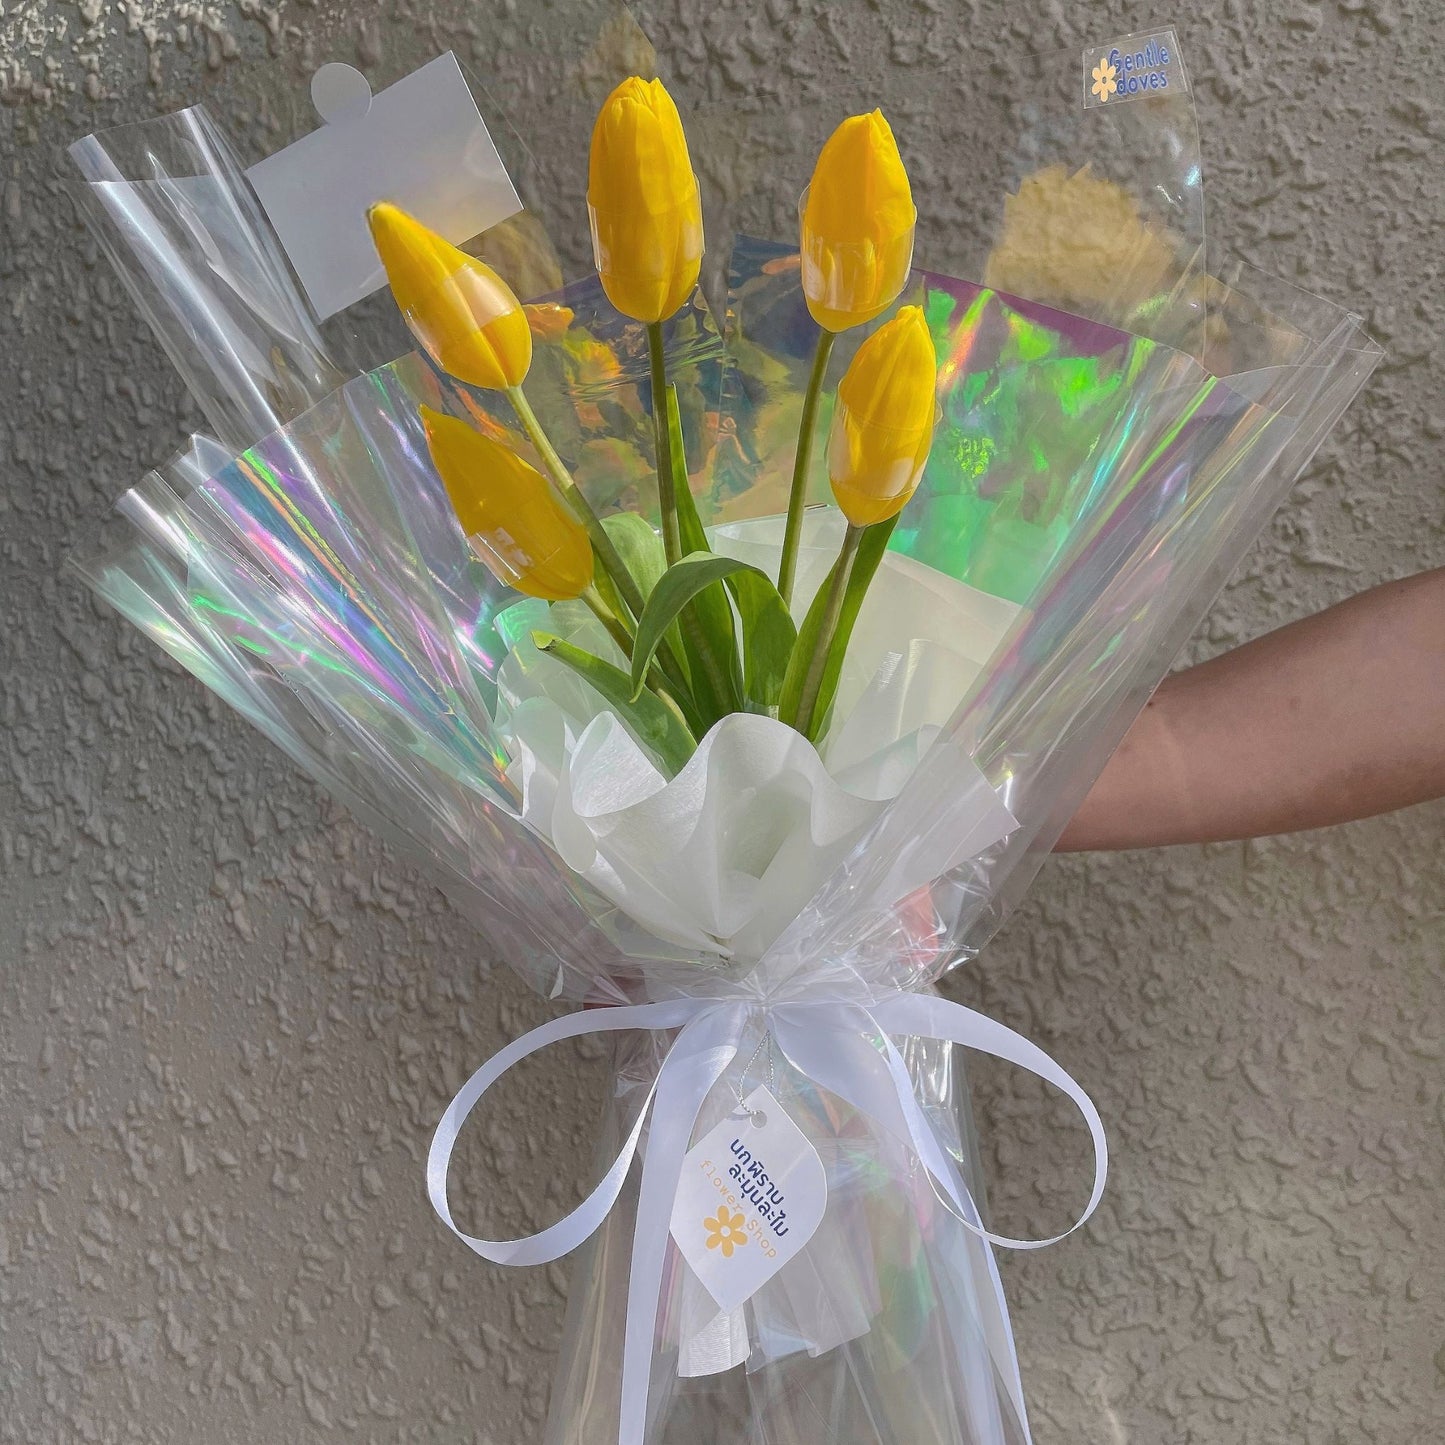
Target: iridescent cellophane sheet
x,y
1121,411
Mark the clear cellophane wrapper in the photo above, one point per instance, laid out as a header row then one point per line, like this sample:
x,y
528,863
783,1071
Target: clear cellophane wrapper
x,y
1121,410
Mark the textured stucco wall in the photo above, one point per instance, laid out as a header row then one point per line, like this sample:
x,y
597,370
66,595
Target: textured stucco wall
x,y
228,1019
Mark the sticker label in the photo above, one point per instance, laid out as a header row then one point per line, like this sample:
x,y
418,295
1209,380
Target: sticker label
x,y
1134,67
752,1193
421,144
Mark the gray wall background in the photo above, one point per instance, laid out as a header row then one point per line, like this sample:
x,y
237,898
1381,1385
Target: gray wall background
x,y
228,1019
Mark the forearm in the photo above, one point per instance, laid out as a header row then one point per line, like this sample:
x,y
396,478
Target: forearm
x,y
1336,717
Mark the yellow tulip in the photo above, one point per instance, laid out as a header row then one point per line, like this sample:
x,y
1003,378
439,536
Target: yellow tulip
x,y
642,195
883,424
465,316
857,225
515,522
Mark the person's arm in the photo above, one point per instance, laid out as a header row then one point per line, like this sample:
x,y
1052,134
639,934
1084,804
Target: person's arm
x,y
1336,717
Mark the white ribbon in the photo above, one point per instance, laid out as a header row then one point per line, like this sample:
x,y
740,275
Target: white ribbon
x,y
820,1039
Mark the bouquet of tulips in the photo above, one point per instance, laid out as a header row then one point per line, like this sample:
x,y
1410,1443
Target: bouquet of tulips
x,y
681,643
733,666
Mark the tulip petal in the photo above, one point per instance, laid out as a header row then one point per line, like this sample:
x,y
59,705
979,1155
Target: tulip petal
x,y
857,225
517,526
464,316
883,424
643,202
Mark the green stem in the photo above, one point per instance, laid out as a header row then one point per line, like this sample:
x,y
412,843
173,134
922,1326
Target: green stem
x,y
607,554
608,618
802,457
666,495
699,644
818,665
661,686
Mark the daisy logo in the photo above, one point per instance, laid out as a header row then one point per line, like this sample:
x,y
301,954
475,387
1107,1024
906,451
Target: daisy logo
x,y
1133,68
725,1231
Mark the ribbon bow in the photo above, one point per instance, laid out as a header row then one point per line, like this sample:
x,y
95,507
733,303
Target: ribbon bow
x,y
844,1047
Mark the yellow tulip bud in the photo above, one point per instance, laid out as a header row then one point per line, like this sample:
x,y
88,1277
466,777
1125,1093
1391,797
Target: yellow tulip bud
x,y
516,524
857,225
463,314
883,423
643,199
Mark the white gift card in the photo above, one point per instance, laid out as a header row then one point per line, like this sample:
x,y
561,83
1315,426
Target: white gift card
x,y
752,1193
421,144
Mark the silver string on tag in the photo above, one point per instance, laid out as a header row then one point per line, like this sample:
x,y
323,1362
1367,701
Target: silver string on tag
x,y
758,1116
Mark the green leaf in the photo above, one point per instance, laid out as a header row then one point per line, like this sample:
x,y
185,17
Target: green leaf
x,y
645,557
639,546
640,550
865,564
709,633
689,524
648,718
768,636
689,577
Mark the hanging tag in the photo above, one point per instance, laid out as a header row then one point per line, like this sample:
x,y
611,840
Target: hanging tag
x,y
752,1193
421,144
